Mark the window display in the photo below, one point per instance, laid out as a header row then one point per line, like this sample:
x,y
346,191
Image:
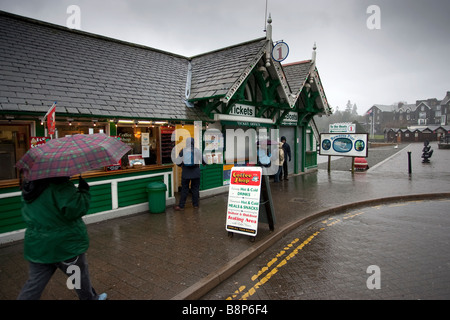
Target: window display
x,y
144,144
75,127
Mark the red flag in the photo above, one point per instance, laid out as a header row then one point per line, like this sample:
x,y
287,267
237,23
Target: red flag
x,y
51,119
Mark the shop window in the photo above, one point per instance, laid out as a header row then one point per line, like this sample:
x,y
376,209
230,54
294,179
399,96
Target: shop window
x,y
144,143
69,128
14,142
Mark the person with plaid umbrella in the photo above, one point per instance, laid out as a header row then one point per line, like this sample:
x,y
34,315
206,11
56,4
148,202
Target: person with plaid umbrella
x,y
56,236
52,207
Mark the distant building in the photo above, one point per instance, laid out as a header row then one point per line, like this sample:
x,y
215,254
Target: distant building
x,y
429,112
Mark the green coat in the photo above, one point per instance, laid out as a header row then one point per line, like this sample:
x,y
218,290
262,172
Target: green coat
x,y
55,231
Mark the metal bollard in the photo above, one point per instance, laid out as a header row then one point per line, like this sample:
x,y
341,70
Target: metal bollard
x,y
409,162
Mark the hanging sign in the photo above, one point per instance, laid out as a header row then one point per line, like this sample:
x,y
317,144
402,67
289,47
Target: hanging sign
x,y
346,145
243,200
280,51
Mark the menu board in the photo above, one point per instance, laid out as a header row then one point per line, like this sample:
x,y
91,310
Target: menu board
x,y
243,200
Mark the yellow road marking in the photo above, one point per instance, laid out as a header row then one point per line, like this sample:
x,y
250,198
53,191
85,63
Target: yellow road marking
x,y
272,272
284,252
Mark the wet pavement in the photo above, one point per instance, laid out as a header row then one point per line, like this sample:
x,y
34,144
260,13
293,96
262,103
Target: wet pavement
x,y
390,251
183,255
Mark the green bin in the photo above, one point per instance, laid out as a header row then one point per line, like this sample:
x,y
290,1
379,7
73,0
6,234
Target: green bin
x,y
156,197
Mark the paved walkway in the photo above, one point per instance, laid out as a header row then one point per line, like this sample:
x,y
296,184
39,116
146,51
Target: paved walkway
x,y
179,255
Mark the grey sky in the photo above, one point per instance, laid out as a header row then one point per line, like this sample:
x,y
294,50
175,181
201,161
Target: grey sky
x,y
405,60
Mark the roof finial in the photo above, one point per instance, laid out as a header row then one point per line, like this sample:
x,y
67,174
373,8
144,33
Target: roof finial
x,y
269,41
313,59
269,28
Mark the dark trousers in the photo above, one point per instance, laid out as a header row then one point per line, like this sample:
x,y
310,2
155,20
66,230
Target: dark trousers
x,y
40,274
285,170
195,188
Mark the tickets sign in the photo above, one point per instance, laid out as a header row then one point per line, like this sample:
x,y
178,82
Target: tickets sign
x,y
243,200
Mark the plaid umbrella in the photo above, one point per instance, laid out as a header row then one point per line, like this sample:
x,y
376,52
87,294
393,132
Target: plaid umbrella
x,y
65,157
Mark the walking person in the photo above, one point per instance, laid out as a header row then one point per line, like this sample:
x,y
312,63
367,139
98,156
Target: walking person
x,y
56,236
279,162
189,160
287,154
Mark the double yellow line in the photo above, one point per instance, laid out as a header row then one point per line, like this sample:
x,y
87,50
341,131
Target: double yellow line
x,y
275,264
244,294
274,270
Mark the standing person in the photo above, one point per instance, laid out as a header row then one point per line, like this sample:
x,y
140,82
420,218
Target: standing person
x,y
189,160
287,153
56,236
279,162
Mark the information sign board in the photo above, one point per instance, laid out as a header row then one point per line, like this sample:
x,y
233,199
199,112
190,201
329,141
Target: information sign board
x,y
243,200
344,145
342,128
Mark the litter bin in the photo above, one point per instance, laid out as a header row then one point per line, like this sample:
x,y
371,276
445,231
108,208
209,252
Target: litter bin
x,y
156,197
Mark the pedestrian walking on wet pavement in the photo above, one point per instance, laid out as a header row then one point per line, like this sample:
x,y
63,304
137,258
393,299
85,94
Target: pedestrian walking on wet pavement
x,y
279,162
189,159
56,236
287,154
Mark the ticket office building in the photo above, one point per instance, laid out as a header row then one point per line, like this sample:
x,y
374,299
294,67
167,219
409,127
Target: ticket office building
x,y
145,97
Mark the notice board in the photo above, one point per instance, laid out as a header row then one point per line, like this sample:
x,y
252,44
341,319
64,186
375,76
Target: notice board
x,y
243,200
344,144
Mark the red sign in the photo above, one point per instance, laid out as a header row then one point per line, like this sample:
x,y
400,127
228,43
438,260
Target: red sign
x,y
114,167
246,178
51,119
37,141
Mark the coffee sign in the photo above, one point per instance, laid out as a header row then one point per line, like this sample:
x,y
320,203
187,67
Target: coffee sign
x,y
243,200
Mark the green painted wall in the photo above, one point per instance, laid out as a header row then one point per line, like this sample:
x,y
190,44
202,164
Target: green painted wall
x,y
129,193
211,177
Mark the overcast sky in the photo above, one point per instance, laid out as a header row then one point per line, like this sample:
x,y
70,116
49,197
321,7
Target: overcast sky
x,y
406,59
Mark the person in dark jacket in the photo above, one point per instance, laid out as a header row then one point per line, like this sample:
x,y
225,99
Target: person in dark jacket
x,y
189,159
287,154
56,236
